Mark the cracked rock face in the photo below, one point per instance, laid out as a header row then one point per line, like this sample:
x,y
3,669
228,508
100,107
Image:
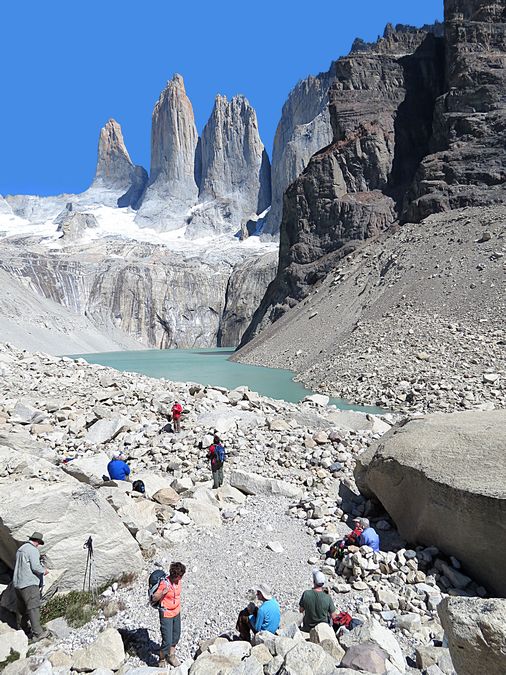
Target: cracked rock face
x,y
304,128
233,167
350,189
172,189
466,166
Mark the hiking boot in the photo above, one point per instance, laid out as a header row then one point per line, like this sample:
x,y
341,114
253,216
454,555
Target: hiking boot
x,y
39,637
173,661
162,663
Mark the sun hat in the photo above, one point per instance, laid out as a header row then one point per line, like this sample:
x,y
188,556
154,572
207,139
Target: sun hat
x,y
265,591
37,536
318,578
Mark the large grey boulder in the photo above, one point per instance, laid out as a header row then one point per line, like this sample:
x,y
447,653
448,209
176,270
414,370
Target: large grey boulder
x,y
106,651
105,430
476,632
373,632
67,513
253,484
12,641
453,467
306,658
89,468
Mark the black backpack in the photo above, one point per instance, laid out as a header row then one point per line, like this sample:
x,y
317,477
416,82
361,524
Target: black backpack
x,y
138,486
153,582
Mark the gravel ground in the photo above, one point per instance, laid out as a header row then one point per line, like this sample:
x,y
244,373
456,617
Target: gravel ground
x,y
223,567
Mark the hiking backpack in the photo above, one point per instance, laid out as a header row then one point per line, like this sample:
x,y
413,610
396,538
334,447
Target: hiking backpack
x,y
219,451
153,582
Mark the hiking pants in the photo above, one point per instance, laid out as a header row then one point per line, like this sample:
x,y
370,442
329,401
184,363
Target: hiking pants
x,y
218,477
176,423
28,605
171,632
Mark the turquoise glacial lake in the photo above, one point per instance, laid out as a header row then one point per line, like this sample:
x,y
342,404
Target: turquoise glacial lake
x,y
210,367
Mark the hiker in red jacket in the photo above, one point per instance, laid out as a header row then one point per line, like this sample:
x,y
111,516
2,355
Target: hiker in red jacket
x,y
177,411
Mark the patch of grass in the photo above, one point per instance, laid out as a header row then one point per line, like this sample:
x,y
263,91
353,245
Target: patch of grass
x,y
13,656
77,607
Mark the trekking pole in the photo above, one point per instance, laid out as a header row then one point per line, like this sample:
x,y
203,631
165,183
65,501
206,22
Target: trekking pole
x,y
88,544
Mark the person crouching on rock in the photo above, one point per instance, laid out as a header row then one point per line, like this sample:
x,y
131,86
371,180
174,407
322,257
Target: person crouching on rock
x,y
265,617
168,595
216,454
368,536
28,573
339,549
176,412
117,468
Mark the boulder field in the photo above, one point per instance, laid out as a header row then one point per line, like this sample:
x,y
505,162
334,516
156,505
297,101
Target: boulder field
x,y
289,494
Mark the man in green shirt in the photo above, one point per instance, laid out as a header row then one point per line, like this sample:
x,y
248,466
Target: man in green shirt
x,y
316,605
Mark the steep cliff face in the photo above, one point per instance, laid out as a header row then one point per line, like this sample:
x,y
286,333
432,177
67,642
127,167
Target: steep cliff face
x,y
304,128
233,168
381,104
466,166
143,291
172,189
245,289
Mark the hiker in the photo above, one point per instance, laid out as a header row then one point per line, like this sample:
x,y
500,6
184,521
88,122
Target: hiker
x,y
168,595
368,536
216,454
176,412
28,575
117,468
339,549
316,605
265,617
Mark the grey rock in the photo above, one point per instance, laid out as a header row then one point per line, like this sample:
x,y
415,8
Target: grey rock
x,y
115,170
172,189
476,632
444,462
304,128
365,657
105,430
252,484
234,168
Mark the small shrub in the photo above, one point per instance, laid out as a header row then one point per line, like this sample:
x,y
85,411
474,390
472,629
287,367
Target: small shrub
x,y
13,656
77,607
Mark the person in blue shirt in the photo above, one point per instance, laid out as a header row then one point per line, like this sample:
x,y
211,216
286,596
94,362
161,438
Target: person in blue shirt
x,y
268,615
117,468
369,536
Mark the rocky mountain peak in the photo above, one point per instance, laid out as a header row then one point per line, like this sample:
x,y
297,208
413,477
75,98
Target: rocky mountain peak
x,y
173,135
114,165
115,170
233,167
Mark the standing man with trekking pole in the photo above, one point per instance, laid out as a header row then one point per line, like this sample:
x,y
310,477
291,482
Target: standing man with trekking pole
x,y
28,573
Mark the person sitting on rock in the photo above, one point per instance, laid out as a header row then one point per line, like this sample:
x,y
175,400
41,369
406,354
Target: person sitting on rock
x,y
216,454
316,605
265,617
338,550
168,595
117,468
176,412
28,573
368,536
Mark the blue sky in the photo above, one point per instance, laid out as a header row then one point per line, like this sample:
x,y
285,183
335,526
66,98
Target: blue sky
x,y
69,65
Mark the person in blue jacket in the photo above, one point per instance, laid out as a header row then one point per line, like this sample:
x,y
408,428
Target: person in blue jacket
x,y
369,536
117,468
268,615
